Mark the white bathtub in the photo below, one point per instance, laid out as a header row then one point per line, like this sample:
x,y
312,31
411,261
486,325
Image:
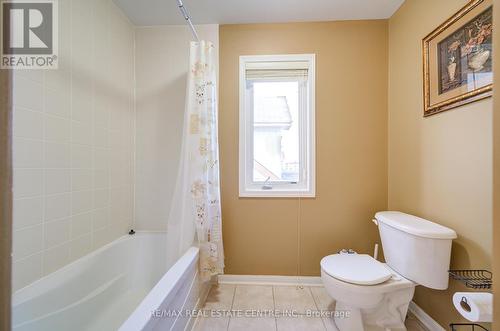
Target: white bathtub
x,y
119,286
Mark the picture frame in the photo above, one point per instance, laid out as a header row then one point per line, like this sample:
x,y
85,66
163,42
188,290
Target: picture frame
x,y
457,59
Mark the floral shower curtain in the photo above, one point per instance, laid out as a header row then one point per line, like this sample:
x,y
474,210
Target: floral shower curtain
x,y
195,214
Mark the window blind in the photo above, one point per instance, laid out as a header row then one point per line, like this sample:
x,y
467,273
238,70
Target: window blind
x,y
276,70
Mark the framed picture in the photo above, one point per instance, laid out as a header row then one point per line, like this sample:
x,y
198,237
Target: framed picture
x,y
458,59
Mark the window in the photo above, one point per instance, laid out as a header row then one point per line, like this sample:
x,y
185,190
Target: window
x,y
277,126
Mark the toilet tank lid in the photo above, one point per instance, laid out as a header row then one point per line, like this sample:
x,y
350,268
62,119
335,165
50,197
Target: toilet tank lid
x,y
415,225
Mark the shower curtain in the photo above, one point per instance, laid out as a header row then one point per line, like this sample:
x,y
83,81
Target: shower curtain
x,y
195,214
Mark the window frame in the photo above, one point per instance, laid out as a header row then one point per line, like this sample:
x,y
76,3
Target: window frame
x,y
305,187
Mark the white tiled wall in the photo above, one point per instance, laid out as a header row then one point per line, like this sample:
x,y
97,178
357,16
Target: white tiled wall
x,y
74,142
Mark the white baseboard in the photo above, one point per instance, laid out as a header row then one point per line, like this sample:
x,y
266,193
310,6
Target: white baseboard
x,y
270,280
424,318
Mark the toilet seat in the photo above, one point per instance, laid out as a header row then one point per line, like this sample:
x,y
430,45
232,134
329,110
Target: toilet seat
x,y
359,269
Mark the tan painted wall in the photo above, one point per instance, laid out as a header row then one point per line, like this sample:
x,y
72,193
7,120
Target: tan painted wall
x,y
439,167
496,169
260,235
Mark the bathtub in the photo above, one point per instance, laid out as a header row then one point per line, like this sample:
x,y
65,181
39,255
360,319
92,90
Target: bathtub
x,y
125,285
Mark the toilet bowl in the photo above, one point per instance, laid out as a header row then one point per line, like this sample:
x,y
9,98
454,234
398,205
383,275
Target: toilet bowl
x,y
374,296
377,301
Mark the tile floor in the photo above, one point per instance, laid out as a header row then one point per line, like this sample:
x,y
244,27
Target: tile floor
x,y
304,301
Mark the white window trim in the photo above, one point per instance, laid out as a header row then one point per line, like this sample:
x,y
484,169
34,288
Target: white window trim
x,y
246,161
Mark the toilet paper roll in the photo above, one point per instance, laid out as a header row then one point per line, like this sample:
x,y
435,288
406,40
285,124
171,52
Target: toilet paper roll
x,y
480,305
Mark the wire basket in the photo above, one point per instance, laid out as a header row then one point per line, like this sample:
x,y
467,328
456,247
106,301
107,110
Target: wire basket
x,y
467,327
476,279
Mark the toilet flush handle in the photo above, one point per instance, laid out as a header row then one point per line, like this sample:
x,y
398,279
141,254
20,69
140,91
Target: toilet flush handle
x,y
375,221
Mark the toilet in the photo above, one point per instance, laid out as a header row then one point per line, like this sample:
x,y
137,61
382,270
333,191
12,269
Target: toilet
x,y
373,296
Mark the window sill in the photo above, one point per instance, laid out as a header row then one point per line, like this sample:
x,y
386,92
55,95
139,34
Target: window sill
x,y
277,194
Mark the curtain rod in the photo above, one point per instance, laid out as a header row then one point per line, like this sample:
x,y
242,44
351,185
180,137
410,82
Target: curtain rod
x,y
185,14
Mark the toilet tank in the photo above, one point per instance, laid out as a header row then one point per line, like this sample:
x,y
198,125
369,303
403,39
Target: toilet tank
x,y
416,248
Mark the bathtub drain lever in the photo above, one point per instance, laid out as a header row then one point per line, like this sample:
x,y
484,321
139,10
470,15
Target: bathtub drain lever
x,y
131,232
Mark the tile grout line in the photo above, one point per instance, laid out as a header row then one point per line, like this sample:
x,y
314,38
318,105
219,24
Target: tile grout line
x,y
274,305
44,181
93,129
71,133
231,308
314,299
317,307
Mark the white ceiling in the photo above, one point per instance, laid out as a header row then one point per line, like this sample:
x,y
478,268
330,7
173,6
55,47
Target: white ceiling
x,y
165,12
